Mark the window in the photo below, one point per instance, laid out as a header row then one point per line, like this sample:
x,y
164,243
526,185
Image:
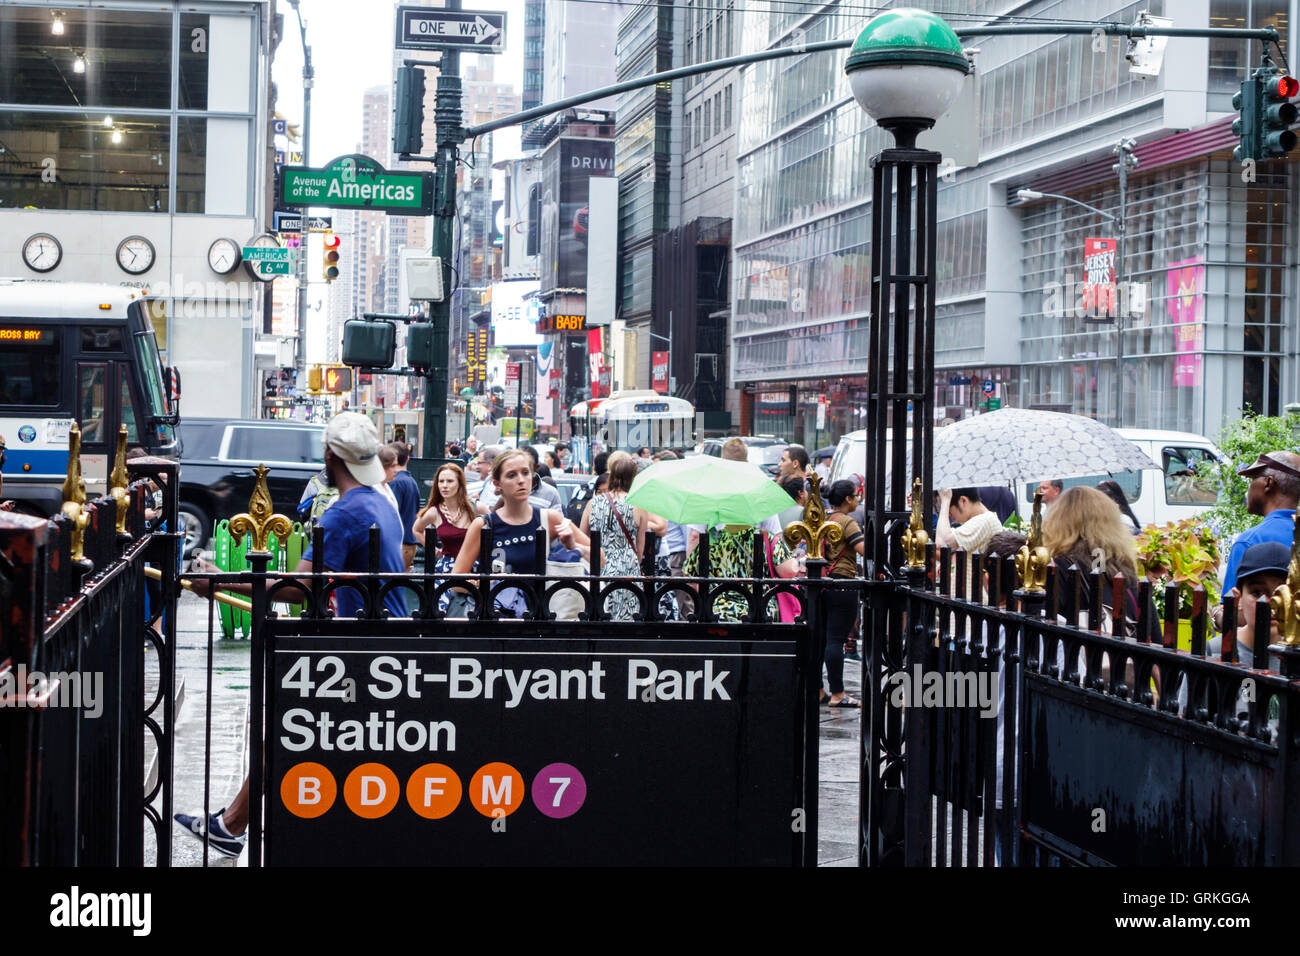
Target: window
x,y
30,371
275,444
128,407
1182,485
698,139
86,161
103,58
90,398
727,111
708,121
717,111
101,340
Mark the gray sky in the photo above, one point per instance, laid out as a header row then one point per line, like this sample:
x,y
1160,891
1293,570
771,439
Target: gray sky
x,y
352,48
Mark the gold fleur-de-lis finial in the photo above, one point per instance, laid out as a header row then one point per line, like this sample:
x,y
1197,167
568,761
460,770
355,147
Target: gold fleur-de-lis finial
x,y
814,528
74,495
915,538
1033,558
260,519
117,481
1285,602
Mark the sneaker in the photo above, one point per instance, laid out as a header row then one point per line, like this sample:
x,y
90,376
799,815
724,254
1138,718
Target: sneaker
x,y
220,840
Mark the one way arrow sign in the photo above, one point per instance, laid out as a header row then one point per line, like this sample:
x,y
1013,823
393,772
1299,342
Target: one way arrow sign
x,y
426,28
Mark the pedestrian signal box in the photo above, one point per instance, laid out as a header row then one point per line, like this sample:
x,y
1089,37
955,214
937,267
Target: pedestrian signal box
x,y
338,379
369,344
313,378
419,345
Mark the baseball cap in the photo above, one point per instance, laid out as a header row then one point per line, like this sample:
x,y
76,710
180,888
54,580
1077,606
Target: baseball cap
x,y
354,439
1265,556
1266,460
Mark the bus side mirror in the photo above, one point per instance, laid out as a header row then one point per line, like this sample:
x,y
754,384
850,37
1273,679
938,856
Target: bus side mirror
x,y
172,383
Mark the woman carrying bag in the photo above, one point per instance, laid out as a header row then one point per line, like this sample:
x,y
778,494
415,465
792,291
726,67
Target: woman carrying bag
x,y
841,603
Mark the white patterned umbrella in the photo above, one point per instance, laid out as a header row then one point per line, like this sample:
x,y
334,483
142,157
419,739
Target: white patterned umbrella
x,y
1018,444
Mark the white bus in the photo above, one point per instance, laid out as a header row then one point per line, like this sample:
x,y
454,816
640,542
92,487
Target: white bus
x,y
76,352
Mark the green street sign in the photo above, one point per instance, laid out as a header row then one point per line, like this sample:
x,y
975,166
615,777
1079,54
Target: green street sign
x,y
274,268
357,182
267,254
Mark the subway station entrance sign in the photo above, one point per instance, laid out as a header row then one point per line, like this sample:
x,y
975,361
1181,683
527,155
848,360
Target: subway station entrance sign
x,y
357,182
529,750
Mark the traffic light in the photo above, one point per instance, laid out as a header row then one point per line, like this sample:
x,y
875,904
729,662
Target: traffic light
x,y
314,378
330,264
1246,125
419,345
1266,116
1276,115
408,112
369,344
338,379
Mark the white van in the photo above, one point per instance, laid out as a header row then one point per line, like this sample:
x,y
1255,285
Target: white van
x,y
1156,495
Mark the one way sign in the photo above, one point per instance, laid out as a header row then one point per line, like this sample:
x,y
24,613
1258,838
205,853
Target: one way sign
x,y
427,28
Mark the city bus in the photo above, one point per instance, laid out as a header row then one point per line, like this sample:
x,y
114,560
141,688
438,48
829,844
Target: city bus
x,y
630,420
76,352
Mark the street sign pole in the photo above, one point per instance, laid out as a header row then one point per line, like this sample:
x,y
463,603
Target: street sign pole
x,y
449,135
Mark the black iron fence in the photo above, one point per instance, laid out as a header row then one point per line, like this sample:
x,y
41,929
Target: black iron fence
x,y
702,729
1038,714
85,749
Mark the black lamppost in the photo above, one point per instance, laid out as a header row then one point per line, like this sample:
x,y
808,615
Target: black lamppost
x,y
906,68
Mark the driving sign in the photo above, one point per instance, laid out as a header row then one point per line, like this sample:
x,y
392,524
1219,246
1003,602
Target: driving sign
x,y
423,28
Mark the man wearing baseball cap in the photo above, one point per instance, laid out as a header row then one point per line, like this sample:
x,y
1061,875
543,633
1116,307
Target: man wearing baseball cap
x,y
352,465
1261,572
1273,492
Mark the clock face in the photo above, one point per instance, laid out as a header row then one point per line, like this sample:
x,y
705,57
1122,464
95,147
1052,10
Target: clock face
x,y
135,254
223,256
42,252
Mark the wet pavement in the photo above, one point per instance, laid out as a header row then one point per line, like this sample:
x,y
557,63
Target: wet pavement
x,y
840,729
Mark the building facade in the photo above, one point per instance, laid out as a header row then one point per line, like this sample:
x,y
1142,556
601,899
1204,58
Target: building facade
x,y
137,136
1211,256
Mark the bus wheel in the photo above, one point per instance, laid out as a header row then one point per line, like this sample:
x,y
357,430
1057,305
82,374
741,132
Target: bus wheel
x,y
196,525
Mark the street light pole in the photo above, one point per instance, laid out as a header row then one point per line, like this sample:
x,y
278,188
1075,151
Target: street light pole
x,y
1124,150
308,79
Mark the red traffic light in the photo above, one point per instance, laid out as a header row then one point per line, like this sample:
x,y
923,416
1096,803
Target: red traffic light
x,y
332,241
1287,87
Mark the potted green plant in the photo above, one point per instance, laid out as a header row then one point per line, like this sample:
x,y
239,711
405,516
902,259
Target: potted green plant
x,y
1185,553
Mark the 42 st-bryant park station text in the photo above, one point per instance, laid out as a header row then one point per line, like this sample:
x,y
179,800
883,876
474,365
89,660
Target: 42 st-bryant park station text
x,y
465,678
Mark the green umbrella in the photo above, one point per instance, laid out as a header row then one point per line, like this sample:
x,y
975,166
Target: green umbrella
x,y
707,490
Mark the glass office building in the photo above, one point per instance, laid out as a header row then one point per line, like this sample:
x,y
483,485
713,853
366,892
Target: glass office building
x,y
1210,333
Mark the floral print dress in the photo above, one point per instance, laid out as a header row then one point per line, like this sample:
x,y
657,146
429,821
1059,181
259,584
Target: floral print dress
x,y
731,556
618,553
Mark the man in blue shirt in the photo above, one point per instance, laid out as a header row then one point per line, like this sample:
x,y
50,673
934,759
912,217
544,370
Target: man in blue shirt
x,y
352,466
1273,492
407,492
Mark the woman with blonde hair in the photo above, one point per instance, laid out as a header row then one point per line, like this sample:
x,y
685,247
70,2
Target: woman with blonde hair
x,y
1084,529
449,513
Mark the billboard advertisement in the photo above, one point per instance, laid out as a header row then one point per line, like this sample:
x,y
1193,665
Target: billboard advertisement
x,y
1099,278
1184,290
567,168
514,317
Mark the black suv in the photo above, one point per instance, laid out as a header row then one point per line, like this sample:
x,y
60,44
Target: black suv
x,y
218,456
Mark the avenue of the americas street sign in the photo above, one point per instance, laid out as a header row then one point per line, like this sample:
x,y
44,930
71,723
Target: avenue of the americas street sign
x,y
357,182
